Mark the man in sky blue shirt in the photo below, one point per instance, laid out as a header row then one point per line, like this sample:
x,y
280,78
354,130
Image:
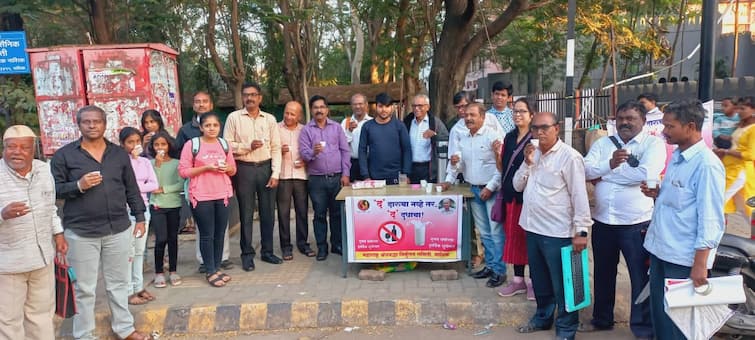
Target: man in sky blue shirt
x,y
688,219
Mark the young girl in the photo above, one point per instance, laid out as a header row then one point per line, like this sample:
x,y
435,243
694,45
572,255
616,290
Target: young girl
x,y
165,206
208,166
152,123
131,141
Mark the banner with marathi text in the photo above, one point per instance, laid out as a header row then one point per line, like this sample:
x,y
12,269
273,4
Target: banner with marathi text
x,y
404,228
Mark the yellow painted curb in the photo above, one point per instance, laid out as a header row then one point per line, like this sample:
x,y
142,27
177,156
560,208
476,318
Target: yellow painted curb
x,y
253,316
304,314
151,320
355,312
406,312
202,319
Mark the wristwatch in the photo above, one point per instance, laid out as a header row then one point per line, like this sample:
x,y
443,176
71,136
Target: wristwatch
x,y
582,233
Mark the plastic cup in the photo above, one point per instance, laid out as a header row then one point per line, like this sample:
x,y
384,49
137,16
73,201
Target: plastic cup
x,y
535,142
652,183
439,188
221,163
423,183
323,143
429,189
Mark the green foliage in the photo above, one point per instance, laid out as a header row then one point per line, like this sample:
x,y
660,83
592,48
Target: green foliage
x,y
17,104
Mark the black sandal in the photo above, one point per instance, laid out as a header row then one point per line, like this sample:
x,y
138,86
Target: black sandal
x,y
530,328
217,281
308,252
223,276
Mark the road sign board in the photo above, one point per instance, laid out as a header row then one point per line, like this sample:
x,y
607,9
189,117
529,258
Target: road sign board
x,y
13,57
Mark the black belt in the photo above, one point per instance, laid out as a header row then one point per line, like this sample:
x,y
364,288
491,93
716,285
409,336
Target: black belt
x,y
336,174
262,163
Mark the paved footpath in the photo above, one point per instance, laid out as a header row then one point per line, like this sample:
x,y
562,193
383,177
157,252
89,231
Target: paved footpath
x,y
304,293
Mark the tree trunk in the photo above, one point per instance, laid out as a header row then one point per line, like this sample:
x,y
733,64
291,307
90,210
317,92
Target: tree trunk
x,y
100,25
680,18
356,61
234,78
457,47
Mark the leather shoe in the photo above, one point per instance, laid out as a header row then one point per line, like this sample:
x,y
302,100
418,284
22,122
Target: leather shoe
x,y
248,266
322,255
495,280
336,250
271,258
483,274
226,265
137,336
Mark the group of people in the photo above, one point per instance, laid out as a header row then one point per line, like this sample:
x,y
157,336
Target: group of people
x,y
529,188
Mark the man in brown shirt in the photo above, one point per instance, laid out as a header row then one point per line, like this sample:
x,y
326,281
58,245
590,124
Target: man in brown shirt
x,y
254,138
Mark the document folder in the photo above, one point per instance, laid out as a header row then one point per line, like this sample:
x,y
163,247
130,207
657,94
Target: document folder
x,y
576,278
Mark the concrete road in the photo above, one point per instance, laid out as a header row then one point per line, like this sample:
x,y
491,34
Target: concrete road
x,y
408,332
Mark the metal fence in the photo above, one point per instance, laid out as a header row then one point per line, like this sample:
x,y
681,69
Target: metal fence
x,y
592,106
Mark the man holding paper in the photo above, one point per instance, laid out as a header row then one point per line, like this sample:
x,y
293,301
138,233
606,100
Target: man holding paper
x,y
617,165
555,214
688,220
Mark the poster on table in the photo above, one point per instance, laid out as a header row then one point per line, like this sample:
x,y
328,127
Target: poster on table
x,y
404,228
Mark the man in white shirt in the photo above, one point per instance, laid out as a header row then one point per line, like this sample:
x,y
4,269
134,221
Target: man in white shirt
x,y
649,101
555,214
32,234
425,130
352,127
477,163
617,165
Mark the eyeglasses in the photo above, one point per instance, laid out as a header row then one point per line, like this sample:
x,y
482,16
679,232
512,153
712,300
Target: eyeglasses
x,y
536,128
521,112
250,94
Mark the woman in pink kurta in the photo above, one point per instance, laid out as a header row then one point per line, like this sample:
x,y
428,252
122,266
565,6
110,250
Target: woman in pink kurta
x,y
208,167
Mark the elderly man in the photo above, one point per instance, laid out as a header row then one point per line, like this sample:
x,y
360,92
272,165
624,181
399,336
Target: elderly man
x,y
501,94
255,141
95,178
323,146
688,220
293,183
555,214
384,150
201,104
352,127
478,164
617,165
28,226
424,133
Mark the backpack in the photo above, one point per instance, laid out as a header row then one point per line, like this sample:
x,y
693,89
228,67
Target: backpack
x,y
194,151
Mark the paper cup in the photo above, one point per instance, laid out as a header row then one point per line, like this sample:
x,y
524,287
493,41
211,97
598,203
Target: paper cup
x,y
323,143
535,142
429,189
652,183
439,188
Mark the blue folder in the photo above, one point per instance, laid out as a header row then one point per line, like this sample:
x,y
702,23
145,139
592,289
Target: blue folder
x,y
576,278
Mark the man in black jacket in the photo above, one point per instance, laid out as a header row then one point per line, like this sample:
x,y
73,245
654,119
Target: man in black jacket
x,y
97,182
424,133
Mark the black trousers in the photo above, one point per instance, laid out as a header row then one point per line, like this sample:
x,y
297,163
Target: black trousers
x,y
165,223
322,192
421,171
296,188
251,188
355,172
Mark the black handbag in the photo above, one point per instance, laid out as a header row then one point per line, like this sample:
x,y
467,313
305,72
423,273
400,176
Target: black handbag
x,y
65,298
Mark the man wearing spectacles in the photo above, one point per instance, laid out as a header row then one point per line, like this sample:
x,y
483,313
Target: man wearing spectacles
x,y
555,214
352,127
424,133
254,138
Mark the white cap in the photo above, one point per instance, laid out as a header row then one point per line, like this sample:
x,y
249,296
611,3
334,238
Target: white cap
x,y
18,131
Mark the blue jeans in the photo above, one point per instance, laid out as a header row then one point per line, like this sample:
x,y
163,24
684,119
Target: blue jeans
x,y
664,327
322,192
491,232
607,242
544,256
211,218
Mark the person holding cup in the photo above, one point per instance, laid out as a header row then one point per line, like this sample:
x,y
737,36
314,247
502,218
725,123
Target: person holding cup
x,y
131,141
622,213
208,172
293,184
95,218
152,123
478,164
